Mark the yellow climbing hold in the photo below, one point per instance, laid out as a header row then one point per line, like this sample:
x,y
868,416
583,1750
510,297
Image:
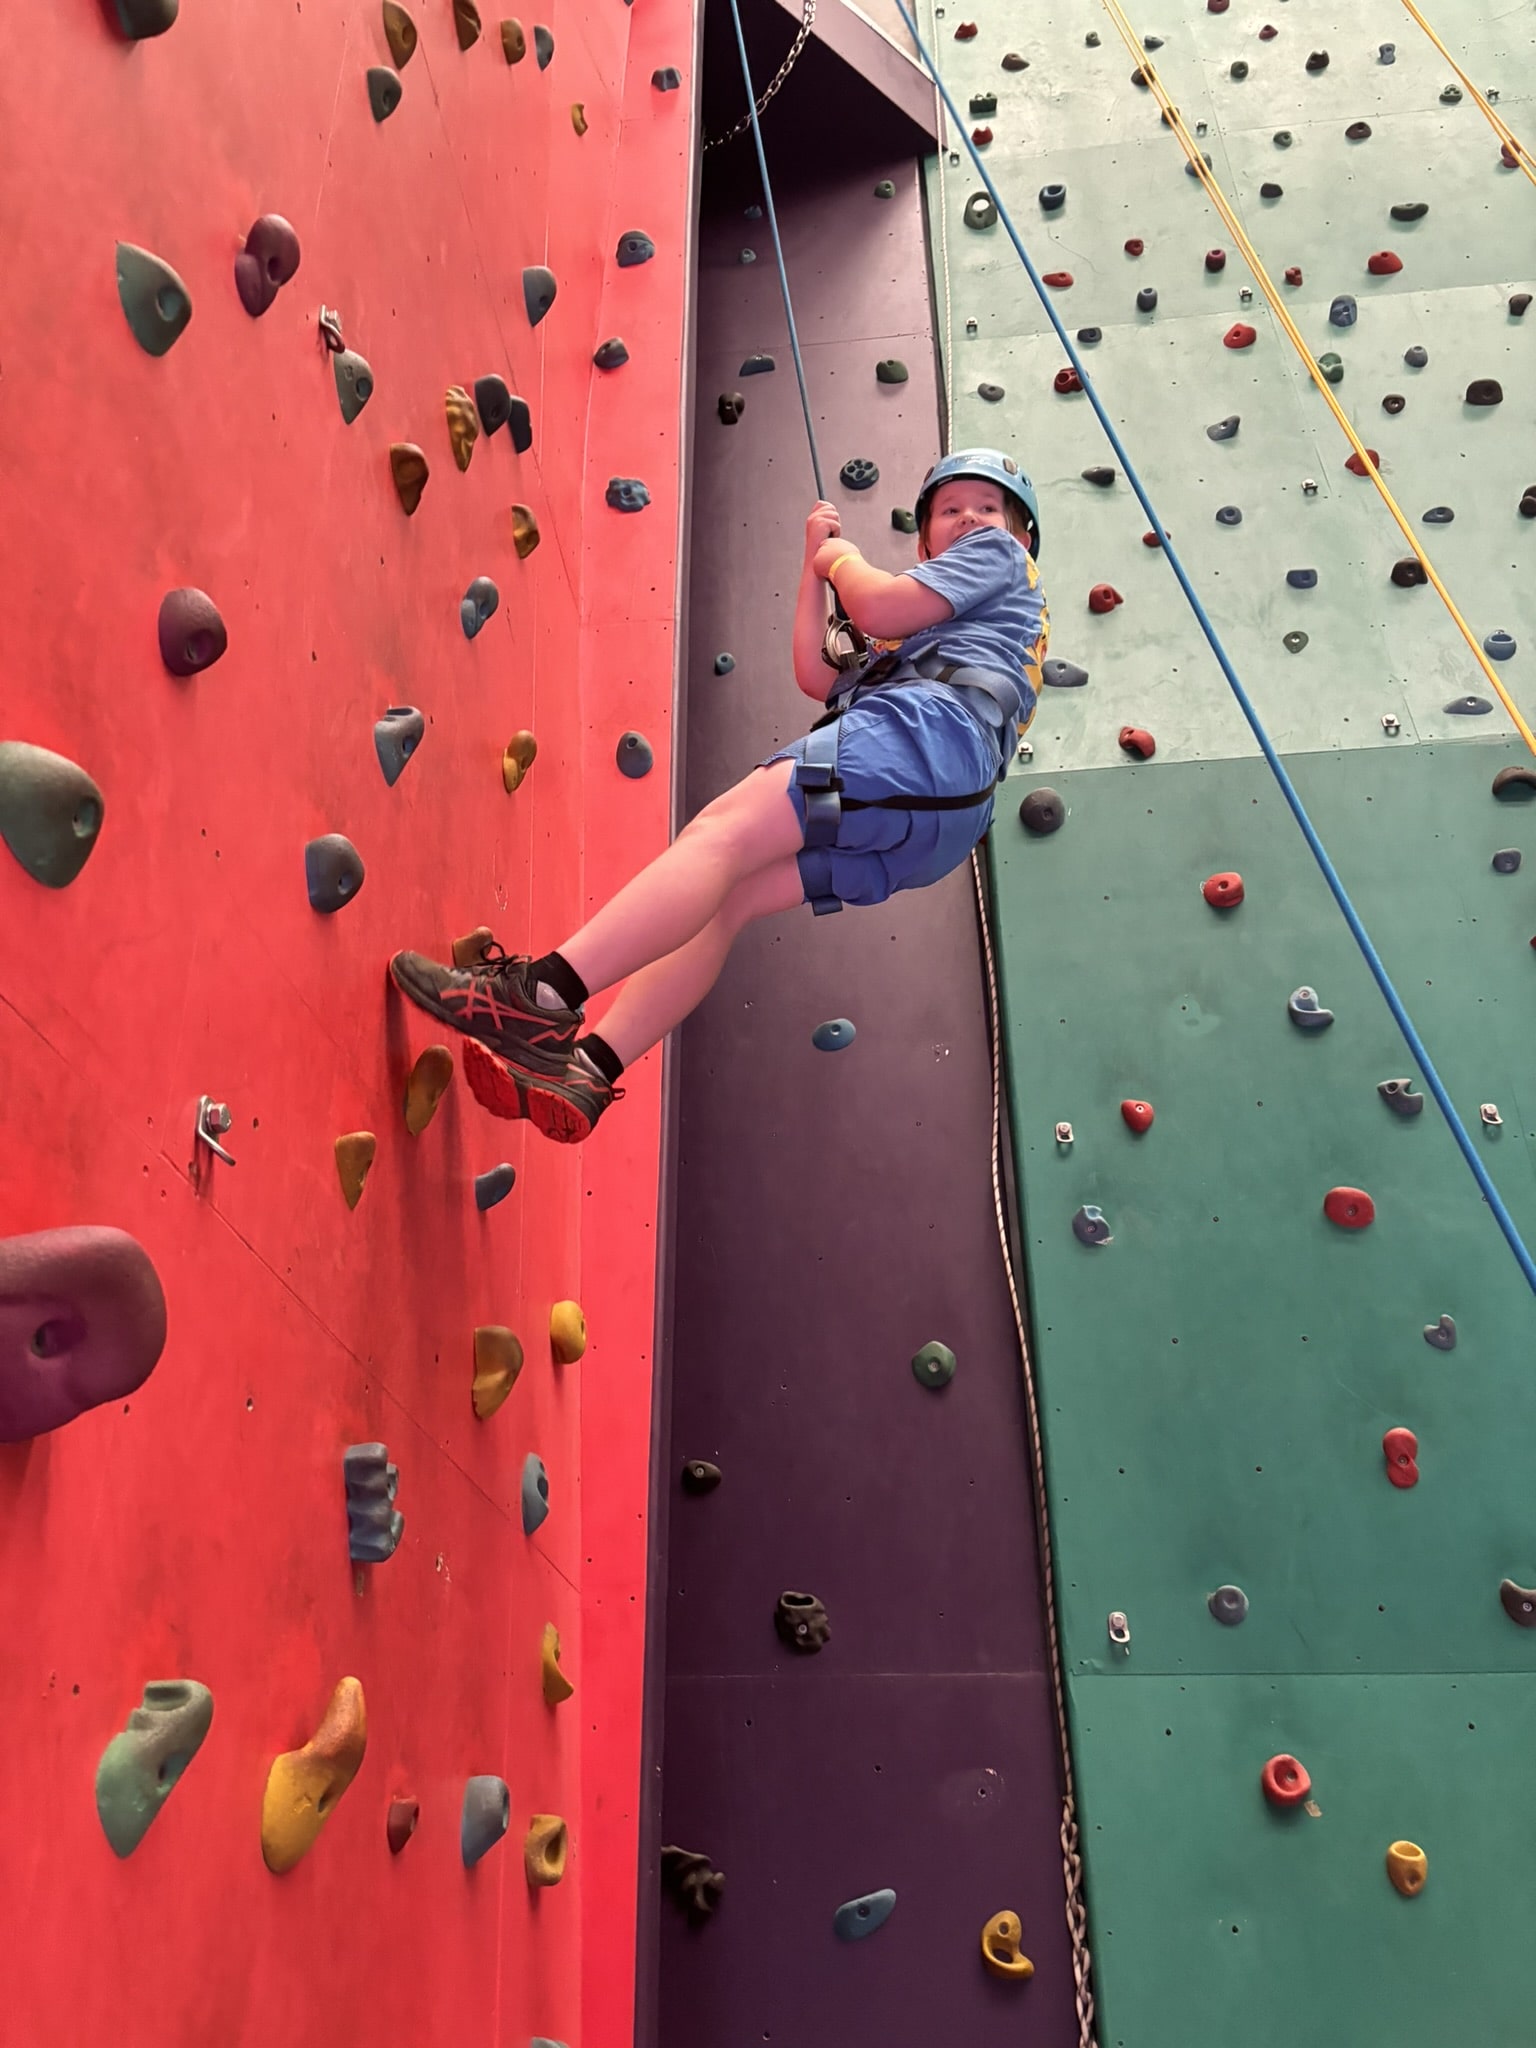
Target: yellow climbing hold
x,y
525,532
466,22
463,424
1000,1948
544,1849
400,34
304,1784
429,1081
408,467
514,44
517,757
1408,1867
498,1361
354,1156
567,1332
471,948
557,1687
578,117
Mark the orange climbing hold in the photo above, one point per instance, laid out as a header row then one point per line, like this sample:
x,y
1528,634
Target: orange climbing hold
x,y
408,467
471,949
578,117
428,1084
1058,280
1285,1782
1350,1208
545,1847
498,1361
304,1785
567,1332
1139,1116
1000,1940
1223,892
514,44
463,424
517,757
1104,597
1384,264
557,1687
525,531
354,1156
1240,335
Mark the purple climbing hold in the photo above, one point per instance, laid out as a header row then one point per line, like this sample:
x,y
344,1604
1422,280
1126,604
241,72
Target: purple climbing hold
x,y
1301,579
1485,391
82,1321
192,635
1101,474
1052,198
1393,403
757,366
266,263
543,46
1343,312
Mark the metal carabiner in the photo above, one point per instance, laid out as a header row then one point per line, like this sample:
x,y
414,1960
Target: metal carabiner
x,y
843,646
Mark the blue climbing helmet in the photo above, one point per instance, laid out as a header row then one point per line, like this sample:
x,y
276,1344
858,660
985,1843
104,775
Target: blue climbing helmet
x,y
996,468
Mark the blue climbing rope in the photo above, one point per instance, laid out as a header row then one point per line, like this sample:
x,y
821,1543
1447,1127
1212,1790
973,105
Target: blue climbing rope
x,y
1288,789
778,250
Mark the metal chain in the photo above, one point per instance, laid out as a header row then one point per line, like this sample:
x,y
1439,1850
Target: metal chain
x,y
807,23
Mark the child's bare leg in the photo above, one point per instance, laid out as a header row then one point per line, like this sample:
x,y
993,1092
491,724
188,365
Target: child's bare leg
x,y
659,996
750,827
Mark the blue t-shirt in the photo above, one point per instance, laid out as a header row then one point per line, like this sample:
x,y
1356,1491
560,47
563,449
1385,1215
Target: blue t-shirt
x,y
1000,622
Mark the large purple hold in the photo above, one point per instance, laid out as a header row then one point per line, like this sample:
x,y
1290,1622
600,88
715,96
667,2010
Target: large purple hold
x,y
270,257
82,1321
192,634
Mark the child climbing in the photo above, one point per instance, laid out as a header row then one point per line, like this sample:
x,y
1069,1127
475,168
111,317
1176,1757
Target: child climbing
x,y
889,790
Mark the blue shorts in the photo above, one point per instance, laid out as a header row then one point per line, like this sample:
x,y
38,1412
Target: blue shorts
x,y
911,741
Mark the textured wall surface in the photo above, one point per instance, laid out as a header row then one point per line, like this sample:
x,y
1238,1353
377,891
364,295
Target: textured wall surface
x,y
197,1529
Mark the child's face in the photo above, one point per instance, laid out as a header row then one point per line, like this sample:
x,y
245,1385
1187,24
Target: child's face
x,y
958,508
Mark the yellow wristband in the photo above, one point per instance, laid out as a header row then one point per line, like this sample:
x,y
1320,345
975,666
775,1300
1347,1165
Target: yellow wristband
x,y
832,572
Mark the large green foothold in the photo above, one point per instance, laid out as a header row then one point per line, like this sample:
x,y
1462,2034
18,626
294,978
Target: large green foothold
x,y
934,1365
903,521
385,91
156,302
140,19
50,812
891,371
140,1768
539,290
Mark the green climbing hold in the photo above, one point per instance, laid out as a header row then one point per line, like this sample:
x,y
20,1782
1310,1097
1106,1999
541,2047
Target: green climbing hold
x,y
385,92
50,812
155,301
140,1768
1332,367
885,189
891,371
903,521
934,1365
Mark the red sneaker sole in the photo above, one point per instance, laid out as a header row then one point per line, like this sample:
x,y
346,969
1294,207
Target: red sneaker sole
x,y
496,1087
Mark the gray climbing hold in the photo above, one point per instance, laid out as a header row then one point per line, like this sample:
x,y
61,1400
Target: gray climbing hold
x,y
700,1477
1224,429
1318,61
1146,299
543,46
396,736
354,382
192,634
374,1523
1091,40
885,189
627,494
486,1814
979,211
1205,158
1057,674
1515,785
1358,131
1386,53
1399,1097
539,289
1294,641
1301,579
1394,403
667,78
266,263
535,1493
757,366
1441,1335
859,1917
1469,706
493,402
50,812
610,355
1507,861
1305,1011
992,393
1450,96
1052,198
1229,1604
983,105
634,755
1519,304
1228,515
1089,1225
477,605
934,1365
891,371
903,521
1416,357
140,19
385,91
747,256
140,1769
1485,391
1343,312
1090,337
724,663
1332,367
1439,515
156,304
494,1185
634,248
835,1035
802,1622
859,474
1100,475
1499,646
333,872
1410,209
1283,138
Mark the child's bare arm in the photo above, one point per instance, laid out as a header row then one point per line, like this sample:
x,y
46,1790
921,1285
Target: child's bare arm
x,y
881,606
812,674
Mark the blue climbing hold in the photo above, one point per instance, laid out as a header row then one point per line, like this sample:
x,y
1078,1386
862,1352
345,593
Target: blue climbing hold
x,y
1439,515
757,366
477,605
1062,675
1499,646
483,1821
1228,515
1224,429
1090,1226
1052,198
1469,706
374,1523
535,1493
860,1917
835,1035
634,248
1416,357
1301,579
333,872
494,1186
396,736
1304,1010
1146,299
1343,312
634,755
1507,861
627,494
724,663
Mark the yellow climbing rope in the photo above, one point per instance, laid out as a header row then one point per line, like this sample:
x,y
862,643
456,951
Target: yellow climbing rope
x,y
1266,285
1523,158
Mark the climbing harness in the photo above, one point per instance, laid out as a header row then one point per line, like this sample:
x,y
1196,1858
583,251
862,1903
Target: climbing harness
x,y
807,23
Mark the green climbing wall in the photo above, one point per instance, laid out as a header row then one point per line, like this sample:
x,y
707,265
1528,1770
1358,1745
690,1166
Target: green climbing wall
x,y
1217,1380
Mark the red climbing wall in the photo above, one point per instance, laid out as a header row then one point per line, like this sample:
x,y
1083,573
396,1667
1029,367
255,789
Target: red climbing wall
x,y
198,1529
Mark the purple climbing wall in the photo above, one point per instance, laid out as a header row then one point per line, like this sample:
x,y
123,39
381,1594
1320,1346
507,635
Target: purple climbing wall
x,y
834,1213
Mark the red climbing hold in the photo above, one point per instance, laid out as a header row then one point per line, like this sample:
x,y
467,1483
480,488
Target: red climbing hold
x,y
1350,1208
1104,597
1357,468
1508,158
965,31
981,137
1285,1782
1400,1448
1151,540
1384,264
1268,33
1223,892
1059,280
1240,335
1067,380
1293,275
1138,1115
1217,6
1135,246
1138,741
1215,259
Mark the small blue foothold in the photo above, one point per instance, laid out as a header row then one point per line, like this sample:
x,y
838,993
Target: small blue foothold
x,y
1062,675
834,1035
757,366
1441,1335
1052,198
1304,1009
1229,1604
1417,356
1301,579
1439,515
859,1917
1090,337
535,1493
1343,312
494,1186
724,663
1089,1225
1507,861
634,248
1387,53
483,1821
1229,515
374,1524
634,755
396,736
1146,299
627,494
1499,646
1224,429
1469,706
477,605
